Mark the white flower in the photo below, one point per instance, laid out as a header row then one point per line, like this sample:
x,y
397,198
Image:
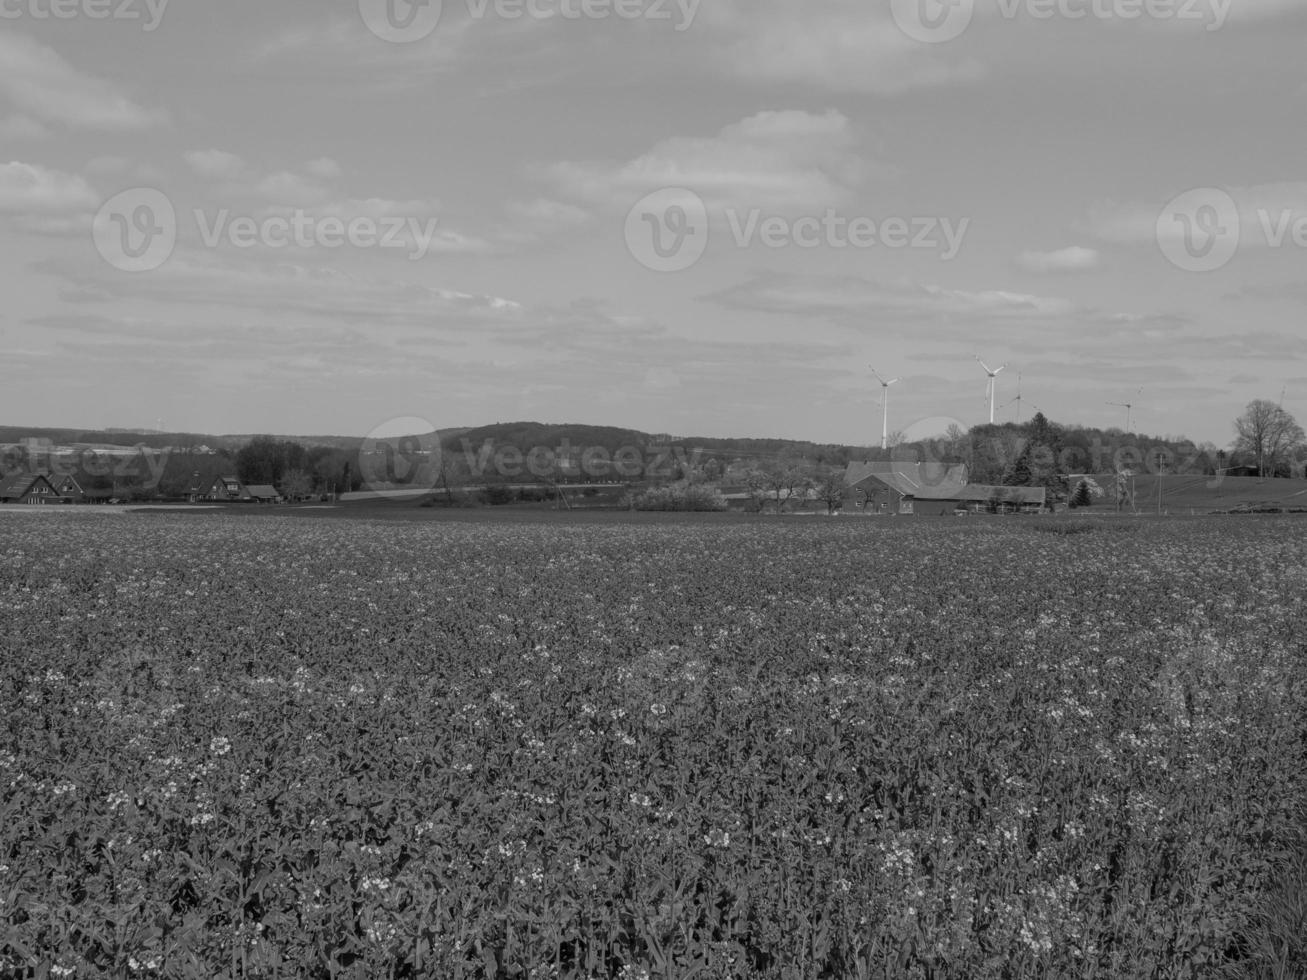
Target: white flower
x,y
717,838
219,745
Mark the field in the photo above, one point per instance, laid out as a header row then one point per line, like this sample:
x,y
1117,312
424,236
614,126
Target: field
x,y
272,746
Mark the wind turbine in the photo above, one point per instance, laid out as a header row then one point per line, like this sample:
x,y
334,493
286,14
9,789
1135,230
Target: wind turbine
x,y
1129,407
1017,401
884,428
993,374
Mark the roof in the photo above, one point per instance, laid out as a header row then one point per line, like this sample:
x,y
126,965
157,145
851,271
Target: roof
x,y
1012,495
20,484
262,490
924,481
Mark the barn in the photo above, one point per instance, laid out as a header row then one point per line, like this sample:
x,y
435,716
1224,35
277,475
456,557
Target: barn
x,y
30,488
930,489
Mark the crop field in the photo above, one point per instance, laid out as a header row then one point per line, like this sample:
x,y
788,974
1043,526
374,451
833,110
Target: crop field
x,y
278,747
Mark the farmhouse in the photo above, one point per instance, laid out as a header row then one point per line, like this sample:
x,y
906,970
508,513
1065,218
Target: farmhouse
x,y
931,488
30,488
68,488
230,489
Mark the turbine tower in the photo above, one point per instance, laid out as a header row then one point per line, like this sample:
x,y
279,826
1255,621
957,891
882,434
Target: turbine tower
x,y
884,399
1129,407
993,385
1017,401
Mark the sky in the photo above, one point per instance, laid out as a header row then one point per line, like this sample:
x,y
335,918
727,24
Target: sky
x,y
694,217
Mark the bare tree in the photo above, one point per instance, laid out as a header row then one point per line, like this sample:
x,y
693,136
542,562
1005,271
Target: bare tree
x,y
786,479
296,484
1268,433
755,481
831,489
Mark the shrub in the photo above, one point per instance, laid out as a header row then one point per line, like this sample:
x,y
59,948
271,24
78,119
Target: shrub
x,y
679,497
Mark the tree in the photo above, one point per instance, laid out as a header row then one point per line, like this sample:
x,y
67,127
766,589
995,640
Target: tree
x,y
755,481
786,479
1269,434
1125,490
1021,474
296,484
831,489
267,460
1086,492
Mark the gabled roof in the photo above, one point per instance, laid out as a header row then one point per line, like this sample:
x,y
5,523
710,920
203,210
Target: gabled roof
x,y
20,484
1010,495
262,491
924,481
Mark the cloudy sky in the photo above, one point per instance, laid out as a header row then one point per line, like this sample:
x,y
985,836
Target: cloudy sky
x,y
315,216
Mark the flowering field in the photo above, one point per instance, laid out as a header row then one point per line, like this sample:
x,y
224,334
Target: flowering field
x,y
265,746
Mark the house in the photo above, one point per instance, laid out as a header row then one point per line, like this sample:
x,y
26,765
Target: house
x,y
898,486
68,488
30,488
931,488
230,490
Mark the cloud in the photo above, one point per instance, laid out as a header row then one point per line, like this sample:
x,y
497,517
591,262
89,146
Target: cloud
x,y
779,159
210,282
1268,214
291,190
20,127
26,189
1073,259
548,212
41,84
324,168
857,299
215,164
839,46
